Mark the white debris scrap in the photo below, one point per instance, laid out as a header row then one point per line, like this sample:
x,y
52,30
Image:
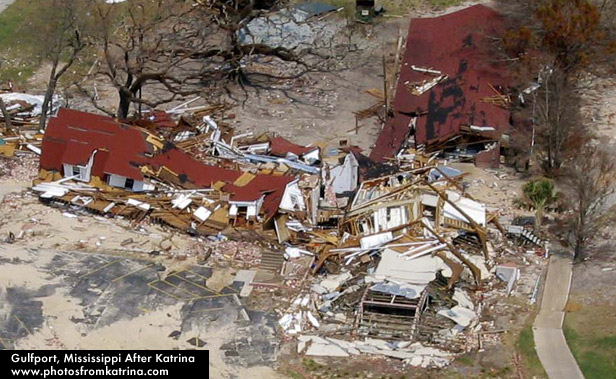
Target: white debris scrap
x,y
333,282
460,315
34,102
415,354
463,299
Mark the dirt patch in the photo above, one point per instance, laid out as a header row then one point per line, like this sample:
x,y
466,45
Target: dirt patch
x,y
220,279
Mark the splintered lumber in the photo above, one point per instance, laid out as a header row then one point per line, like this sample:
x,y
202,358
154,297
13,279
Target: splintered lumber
x,y
280,224
474,269
376,93
478,228
498,99
456,268
426,70
371,111
502,101
419,88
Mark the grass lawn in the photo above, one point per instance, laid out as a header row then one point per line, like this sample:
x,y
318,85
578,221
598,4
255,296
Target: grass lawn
x,y
18,61
525,345
591,336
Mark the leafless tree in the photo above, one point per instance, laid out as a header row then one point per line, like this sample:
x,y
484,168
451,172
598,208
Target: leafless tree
x,y
590,181
239,48
134,43
59,30
184,47
559,129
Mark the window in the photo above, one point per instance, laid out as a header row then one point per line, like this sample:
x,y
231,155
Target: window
x,y
129,183
76,171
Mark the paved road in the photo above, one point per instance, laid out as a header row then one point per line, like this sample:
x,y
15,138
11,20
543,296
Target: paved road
x,y
550,342
5,3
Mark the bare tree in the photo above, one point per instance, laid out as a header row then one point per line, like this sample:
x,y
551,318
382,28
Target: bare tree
x,y
6,115
182,47
239,47
59,29
590,182
135,51
559,130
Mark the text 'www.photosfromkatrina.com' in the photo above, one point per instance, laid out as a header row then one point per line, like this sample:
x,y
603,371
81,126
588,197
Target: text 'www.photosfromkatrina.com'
x,y
53,364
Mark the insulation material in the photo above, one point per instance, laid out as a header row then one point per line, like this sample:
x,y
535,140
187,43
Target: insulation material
x,y
420,270
476,211
344,177
376,240
460,315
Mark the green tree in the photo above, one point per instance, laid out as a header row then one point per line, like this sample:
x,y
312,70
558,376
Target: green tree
x,y
540,193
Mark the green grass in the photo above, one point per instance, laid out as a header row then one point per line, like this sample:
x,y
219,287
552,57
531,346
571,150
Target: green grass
x,y
17,46
595,353
465,360
525,345
13,23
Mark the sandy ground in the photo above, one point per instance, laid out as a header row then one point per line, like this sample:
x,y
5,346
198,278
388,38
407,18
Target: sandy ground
x,y
61,303
43,232
41,226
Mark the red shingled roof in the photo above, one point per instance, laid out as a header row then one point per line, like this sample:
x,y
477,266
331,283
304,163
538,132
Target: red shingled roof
x,y
205,176
455,44
193,171
72,136
272,186
279,147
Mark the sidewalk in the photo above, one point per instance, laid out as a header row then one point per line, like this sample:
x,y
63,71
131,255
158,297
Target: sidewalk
x,y
550,342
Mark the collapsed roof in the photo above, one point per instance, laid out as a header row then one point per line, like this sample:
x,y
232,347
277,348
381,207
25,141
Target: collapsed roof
x,y
455,48
75,137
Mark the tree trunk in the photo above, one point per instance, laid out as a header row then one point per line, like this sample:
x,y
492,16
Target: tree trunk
x,y
7,116
579,248
51,89
126,94
124,105
538,217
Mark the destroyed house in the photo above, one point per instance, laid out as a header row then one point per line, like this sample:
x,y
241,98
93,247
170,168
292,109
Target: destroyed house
x,y
282,148
450,89
113,156
85,146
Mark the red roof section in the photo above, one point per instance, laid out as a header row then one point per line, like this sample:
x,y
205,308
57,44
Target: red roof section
x,y
279,147
72,136
272,186
457,45
156,118
205,176
193,171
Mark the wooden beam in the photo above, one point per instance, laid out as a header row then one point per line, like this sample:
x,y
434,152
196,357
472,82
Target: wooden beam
x,y
476,272
478,228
